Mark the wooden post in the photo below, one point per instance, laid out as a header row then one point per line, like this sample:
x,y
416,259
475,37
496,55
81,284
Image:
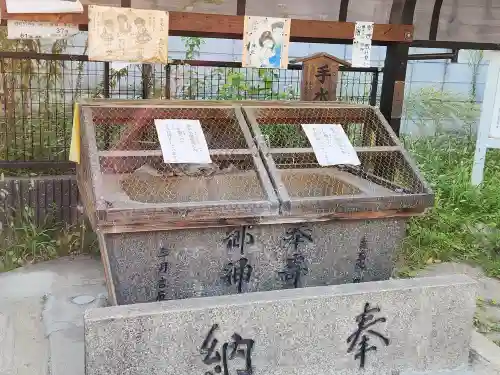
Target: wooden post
x,y
488,132
396,59
319,77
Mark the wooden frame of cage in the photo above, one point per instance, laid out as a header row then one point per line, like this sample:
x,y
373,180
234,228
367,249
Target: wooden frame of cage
x,y
418,202
103,216
156,217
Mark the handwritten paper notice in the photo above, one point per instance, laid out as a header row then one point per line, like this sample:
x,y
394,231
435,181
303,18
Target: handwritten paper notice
x,y
182,141
45,6
125,34
362,44
330,144
39,30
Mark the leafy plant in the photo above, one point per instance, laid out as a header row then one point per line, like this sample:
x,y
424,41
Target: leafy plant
x,y
193,46
225,83
115,75
464,224
474,61
28,242
24,241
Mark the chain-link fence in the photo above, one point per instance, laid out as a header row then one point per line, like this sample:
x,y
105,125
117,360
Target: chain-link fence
x,y
37,92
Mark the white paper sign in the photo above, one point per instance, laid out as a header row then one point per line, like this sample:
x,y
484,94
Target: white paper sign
x,y
363,31
361,54
39,30
182,141
362,44
330,144
44,6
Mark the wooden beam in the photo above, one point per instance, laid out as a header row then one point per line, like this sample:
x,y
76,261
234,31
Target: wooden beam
x,y
447,44
435,19
156,224
159,153
231,27
408,12
396,11
38,165
344,5
306,150
241,7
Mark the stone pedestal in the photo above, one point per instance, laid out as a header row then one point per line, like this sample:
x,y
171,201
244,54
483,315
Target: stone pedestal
x,y
390,327
177,264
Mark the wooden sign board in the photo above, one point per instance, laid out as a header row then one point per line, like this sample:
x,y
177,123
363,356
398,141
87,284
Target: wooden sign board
x,y
319,77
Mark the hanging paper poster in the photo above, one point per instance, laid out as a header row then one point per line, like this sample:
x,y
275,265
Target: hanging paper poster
x,y
39,30
126,34
265,42
362,44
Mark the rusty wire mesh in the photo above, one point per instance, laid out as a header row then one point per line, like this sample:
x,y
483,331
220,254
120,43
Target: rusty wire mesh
x,y
384,170
281,127
132,168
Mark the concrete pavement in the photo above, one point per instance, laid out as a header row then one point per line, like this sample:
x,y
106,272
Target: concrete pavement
x,y
41,315
42,306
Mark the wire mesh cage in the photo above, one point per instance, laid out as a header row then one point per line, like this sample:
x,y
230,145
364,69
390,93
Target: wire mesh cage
x,y
124,178
386,178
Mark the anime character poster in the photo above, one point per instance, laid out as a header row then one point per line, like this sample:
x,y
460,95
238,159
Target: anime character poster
x,y
125,34
265,42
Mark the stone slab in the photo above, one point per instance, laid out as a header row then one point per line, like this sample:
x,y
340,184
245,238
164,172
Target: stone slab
x,y
419,325
488,302
197,258
485,354
41,329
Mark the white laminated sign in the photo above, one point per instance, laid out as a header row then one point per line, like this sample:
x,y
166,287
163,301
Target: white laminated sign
x,y
43,6
182,141
330,144
362,44
39,30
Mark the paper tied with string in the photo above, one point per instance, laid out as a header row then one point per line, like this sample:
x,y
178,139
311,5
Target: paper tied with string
x,y
330,144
